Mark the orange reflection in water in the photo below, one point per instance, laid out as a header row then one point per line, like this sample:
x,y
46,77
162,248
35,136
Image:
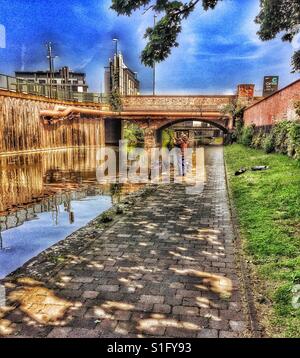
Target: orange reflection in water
x,y
28,178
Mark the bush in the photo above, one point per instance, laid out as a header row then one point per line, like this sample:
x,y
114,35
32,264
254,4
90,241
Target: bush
x,y
247,136
297,107
134,134
294,142
258,139
284,138
167,138
268,144
281,136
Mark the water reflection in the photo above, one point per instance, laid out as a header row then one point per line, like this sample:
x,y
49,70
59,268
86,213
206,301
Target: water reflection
x,y
44,197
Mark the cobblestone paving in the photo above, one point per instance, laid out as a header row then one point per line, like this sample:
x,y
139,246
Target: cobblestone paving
x,y
165,269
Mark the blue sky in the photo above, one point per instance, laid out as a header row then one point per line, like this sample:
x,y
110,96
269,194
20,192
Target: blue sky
x,y
218,49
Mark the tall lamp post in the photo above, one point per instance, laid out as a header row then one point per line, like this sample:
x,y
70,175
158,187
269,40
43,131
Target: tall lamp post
x,y
51,63
115,66
51,58
154,65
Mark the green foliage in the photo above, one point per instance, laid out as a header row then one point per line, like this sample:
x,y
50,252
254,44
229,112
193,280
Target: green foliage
x,y
268,144
236,109
167,138
297,107
163,37
258,139
134,134
284,138
278,17
275,17
294,141
268,207
239,125
296,62
246,136
115,100
280,135
106,218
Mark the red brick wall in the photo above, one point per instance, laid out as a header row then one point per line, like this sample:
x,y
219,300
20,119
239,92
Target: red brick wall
x,y
278,107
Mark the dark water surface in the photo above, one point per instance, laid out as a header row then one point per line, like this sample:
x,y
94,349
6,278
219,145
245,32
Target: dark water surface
x,y
44,197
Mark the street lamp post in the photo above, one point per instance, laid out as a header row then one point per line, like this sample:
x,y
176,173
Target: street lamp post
x,y
51,63
115,66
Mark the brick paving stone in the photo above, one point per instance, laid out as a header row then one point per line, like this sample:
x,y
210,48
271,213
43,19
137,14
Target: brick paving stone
x,y
228,334
165,268
159,308
83,333
238,326
208,333
183,310
90,294
61,332
152,299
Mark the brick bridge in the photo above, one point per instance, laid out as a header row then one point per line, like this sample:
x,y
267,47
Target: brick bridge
x,y
151,113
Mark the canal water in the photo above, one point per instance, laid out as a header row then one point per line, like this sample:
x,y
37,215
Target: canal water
x,y
44,197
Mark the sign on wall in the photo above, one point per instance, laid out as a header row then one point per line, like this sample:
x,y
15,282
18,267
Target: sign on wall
x,y
271,84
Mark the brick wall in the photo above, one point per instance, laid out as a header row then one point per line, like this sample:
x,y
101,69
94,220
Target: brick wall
x,y
175,103
275,108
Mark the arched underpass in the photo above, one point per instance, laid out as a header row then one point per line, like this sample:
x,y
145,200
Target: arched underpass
x,y
199,131
153,128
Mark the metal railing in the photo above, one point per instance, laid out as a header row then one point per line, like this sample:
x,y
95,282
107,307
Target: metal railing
x,y
54,91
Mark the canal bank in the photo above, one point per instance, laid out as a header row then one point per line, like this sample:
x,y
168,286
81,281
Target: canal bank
x,y
267,206
46,196
165,267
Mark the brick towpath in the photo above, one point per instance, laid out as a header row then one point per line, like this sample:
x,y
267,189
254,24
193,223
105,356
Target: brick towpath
x,y
165,269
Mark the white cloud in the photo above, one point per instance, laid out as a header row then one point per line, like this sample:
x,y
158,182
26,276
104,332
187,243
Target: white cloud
x,y
2,36
23,57
210,41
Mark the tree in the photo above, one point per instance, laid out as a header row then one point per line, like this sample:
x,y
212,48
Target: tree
x,y
276,16
115,100
236,109
280,16
163,37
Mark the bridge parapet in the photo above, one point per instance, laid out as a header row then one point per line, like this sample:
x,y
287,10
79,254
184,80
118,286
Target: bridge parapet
x,y
176,103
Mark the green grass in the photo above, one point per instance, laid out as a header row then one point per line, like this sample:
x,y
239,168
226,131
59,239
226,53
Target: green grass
x,y
268,209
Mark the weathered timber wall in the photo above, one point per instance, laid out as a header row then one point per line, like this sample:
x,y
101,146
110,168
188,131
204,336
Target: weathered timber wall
x,y
22,130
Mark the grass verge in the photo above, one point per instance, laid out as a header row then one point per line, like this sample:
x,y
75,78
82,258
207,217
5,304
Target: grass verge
x,y
268,208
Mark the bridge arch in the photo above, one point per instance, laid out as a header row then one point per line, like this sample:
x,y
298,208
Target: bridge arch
x,y
169,123
214,123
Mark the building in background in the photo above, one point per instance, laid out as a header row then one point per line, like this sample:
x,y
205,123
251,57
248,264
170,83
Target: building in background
x,y
64,78
118,75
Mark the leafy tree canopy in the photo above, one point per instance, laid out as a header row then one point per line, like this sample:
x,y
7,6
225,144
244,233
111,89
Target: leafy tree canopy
x,y
276,16
280,16
163,37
